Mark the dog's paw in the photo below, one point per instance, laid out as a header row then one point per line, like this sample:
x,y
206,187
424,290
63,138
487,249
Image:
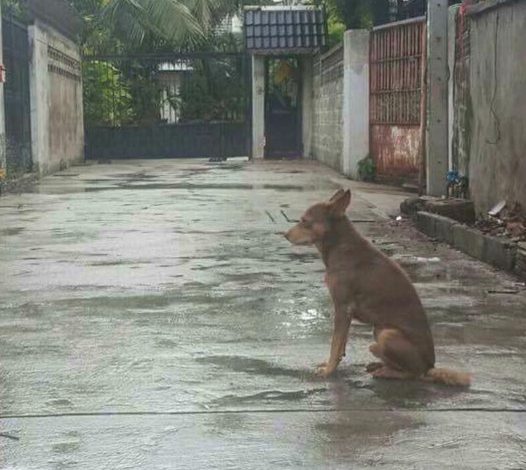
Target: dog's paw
x,y
324,371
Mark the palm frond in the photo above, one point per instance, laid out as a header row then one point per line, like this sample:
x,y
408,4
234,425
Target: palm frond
x,y
170,20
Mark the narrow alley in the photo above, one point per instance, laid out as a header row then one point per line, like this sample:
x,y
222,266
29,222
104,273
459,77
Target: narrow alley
x,y
153,316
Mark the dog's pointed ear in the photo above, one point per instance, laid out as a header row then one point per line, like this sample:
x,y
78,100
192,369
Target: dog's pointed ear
x,y
339,203
336,195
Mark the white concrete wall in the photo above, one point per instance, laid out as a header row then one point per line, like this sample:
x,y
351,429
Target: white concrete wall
x,y
258,106
340,114
497,85
39,102
57,125
307,105
355,100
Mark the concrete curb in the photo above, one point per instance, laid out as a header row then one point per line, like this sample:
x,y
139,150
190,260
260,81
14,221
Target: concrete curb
x,y
502,254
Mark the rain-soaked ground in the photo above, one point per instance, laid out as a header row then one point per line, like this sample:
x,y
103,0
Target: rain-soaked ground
x,y
152,317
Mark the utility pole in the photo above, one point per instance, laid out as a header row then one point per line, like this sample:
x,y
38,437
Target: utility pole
x,y
437,102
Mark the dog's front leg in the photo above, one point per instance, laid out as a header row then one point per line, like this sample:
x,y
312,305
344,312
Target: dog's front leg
x,y
342,323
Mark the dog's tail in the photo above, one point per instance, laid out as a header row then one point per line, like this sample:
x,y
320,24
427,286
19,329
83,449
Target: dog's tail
x,y
448,377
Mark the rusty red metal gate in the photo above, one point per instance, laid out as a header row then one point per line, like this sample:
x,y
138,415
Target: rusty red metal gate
x,y
396,68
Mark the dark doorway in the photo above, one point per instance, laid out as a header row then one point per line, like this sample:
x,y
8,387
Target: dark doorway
x,y
283,108
16,93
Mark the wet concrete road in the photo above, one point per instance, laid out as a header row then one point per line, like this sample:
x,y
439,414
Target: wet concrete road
x,y
152,317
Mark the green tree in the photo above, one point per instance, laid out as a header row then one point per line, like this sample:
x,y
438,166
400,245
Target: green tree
x,y
153,24
214,90
353,14
107,98
12,7
135,22
361,13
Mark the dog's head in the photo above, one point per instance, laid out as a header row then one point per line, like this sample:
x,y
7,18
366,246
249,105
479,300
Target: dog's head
x,y
317,221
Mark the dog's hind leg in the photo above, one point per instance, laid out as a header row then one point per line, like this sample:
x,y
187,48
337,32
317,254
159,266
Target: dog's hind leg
x,y
386,372
401,358
376,351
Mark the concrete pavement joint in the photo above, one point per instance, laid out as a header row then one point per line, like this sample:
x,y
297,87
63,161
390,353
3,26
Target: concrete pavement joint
x,y
267,411
270,217
287,217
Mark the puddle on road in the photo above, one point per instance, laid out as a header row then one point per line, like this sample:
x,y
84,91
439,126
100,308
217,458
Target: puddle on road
x,y
205,187
421,269
253,366
268,396
10,232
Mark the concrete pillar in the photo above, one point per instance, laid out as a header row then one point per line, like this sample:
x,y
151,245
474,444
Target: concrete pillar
x,y
355,100
258,106
39,94
437,109
307,104
3,156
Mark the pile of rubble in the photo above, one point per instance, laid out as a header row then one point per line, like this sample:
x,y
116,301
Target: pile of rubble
x,y
505,220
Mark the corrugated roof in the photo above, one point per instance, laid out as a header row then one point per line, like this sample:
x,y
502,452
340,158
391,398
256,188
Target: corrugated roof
x,y
284,29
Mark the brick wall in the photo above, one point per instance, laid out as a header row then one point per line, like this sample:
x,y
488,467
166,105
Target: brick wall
x,y
327,136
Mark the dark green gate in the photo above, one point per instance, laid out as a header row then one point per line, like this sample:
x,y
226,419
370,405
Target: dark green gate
x,y
182,105
16,96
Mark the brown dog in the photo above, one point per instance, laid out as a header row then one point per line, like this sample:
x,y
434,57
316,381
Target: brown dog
x,y
368,286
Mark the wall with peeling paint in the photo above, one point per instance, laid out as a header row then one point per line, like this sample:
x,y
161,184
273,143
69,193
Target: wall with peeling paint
x,y
57,127
396,65
460,108
396,153
497,83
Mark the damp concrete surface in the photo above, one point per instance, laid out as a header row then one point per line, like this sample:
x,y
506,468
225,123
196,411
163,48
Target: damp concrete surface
x,y
152,316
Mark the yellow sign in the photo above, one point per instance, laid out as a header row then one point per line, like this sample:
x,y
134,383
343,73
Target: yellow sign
x,y
2,173
284,72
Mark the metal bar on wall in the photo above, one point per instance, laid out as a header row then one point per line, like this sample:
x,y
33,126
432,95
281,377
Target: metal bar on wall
x,y
395,73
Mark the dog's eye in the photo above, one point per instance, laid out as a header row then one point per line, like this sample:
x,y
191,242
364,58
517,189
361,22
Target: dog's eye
x,y
306,223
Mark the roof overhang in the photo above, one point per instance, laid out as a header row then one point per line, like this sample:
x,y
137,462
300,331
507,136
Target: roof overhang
x,y
277,30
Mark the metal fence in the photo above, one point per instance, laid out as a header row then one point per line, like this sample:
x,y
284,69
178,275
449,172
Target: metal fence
x,y
173,105
396,70
155,89
396,56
